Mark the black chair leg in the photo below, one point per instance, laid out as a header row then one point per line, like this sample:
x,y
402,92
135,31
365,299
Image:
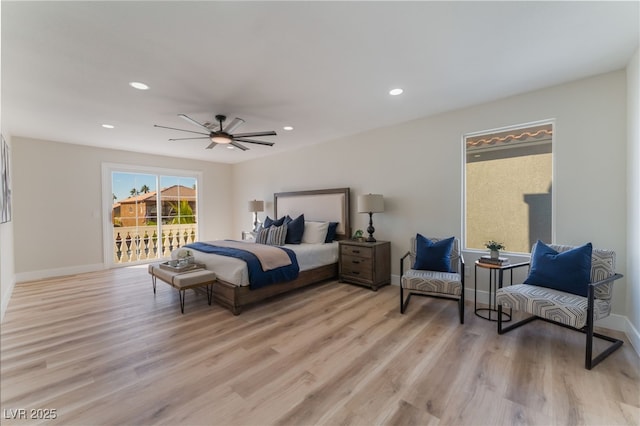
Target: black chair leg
x,y
589,361
461,308
404,303
512,326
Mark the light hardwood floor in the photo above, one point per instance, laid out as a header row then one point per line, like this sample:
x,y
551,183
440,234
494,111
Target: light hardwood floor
x,y
100,348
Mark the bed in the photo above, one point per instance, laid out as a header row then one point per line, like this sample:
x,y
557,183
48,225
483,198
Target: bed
x,y
317,262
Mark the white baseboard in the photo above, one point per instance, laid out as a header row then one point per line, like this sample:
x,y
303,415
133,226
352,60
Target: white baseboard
x,y
612,322
58,272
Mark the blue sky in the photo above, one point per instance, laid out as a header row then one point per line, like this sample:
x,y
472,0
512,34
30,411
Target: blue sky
x,y
122,183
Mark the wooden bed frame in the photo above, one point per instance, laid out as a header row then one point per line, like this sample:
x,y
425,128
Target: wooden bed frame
x,y
322,205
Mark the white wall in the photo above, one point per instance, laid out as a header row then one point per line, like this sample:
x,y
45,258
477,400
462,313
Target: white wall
x,y
417,166
633,198
7,272
58,210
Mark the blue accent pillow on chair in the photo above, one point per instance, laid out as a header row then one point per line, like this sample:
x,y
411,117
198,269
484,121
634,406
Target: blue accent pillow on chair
x,y
433,256
569,271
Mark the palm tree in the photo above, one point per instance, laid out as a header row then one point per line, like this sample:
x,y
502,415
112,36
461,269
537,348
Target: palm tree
x,y
144,189
185,213
133,192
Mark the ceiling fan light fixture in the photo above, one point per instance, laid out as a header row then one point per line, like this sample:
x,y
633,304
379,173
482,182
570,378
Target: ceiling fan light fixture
x,y
396,92
224,139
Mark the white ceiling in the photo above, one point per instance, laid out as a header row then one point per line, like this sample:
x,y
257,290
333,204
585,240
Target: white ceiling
x,y
323,67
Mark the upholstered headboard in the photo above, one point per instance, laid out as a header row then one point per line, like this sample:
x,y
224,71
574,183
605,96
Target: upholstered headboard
x,y
327,205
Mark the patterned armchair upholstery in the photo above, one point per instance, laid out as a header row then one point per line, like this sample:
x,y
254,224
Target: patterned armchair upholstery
x,y
446,285
566,309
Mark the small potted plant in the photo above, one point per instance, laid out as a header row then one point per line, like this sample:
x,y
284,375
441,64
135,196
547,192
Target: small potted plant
x,y
358,235
494,248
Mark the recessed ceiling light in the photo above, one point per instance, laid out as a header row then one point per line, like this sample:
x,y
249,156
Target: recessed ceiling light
x,y
138,85
108,126
395,92
231,147
288,128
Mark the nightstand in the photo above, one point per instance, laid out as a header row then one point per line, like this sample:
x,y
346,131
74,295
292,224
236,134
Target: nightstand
x,y
367,264
249,235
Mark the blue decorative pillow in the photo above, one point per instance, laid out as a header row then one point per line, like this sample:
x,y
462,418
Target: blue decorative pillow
x,y
331,232
295,229
433,256
569,271
268,222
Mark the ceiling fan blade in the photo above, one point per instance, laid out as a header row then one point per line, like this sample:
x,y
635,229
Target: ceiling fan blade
x,y
211,145
194,122
237,145
233,125
254,141
248,135
182,130
186,139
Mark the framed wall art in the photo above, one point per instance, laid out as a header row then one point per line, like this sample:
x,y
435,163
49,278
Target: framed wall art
x,y
5,177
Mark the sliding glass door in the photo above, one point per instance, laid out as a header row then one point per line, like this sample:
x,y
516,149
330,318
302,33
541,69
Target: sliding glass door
x,y
151,214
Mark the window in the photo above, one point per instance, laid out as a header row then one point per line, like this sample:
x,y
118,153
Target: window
x,y
508,187
152,212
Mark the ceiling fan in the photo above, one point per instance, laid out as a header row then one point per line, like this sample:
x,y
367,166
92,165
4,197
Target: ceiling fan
x,y
222,135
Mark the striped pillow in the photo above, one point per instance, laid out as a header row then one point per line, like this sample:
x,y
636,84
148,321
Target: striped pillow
x,y
277,235
263,235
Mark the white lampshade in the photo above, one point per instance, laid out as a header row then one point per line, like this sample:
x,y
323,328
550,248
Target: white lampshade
x,y
370,203
256,206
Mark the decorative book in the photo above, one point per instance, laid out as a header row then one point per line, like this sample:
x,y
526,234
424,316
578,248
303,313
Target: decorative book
x,y
491,261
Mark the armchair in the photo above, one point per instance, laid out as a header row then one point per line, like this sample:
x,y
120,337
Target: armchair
x,y
446,282
564,308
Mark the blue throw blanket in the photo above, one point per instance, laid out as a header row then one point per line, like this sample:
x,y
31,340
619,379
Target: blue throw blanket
x,y
257,277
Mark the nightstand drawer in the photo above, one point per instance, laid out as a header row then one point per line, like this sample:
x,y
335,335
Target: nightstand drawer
x,y
348,250
364,274
359,265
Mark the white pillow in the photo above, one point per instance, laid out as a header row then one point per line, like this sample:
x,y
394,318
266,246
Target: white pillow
x,y
315,232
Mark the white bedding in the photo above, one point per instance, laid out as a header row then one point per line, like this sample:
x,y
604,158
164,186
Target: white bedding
x,y
234,271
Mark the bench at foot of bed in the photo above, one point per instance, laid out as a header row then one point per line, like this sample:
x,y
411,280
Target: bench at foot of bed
x,y
183,281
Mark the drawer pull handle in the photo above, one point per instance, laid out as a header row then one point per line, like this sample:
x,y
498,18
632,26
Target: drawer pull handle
x,y
356,261
356,251
355,272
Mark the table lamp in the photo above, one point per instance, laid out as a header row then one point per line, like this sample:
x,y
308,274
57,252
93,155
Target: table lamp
x,y
256,206
370,203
